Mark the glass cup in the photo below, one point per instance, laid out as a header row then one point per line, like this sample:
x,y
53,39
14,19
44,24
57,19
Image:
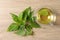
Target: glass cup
x,y
46,16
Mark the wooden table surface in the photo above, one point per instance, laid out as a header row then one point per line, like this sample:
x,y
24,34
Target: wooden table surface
x,y
47,32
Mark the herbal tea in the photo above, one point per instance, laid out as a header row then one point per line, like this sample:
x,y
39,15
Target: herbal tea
x,y
44,15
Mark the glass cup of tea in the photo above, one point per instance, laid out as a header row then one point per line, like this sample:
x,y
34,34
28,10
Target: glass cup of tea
x,y
46,16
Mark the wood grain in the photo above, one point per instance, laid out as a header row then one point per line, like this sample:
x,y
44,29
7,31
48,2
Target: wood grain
x,y
47,32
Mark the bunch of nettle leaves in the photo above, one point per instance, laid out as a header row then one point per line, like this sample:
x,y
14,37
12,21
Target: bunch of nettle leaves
x,y
24,23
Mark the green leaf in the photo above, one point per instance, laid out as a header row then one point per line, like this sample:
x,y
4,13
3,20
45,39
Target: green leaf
x,y
21,30
28,30
28,27
31,13
26,12
29,17
35,24
33,19
24,23
15,17
20,16
13,27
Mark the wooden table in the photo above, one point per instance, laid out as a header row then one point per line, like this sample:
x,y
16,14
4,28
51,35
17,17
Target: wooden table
x,y
47,32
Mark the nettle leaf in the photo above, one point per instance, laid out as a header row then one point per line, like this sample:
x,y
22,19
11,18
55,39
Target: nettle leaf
x,y
31,13
28,30
13,27
28,27
21,30
29,17
34,24
15,17
33,19
24,23
20,16
26,12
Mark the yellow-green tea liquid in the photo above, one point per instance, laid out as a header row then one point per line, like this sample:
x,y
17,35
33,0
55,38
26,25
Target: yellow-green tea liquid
x,y
45,16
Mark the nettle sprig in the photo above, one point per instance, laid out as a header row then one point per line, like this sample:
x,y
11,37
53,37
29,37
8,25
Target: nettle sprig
x,y
24,23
